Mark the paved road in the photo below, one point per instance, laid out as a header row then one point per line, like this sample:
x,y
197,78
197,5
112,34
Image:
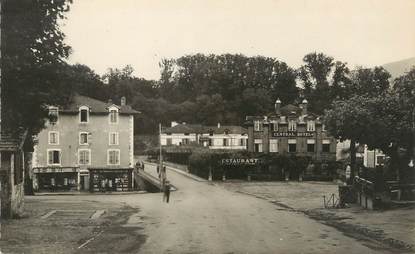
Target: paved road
x,y
205,218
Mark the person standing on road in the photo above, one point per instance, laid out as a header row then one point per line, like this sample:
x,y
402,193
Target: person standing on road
x,y
166,195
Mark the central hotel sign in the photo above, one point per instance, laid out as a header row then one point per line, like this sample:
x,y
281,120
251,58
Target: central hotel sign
x,y
292,134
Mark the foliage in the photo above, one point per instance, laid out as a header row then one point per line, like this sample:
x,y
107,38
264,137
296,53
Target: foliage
x,y
323,80
33,52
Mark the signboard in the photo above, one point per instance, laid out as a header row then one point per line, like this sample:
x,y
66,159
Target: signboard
x,y
292,134
240,161
55,170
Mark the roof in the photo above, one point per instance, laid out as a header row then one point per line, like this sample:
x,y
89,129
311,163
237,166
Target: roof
x,y
198,128
9,142
96,106
184,128
290,109
232,129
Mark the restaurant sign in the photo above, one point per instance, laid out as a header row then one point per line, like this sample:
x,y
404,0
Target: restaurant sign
x,y
240,161
292,134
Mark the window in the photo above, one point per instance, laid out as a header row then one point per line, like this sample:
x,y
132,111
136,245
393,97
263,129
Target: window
x,y
54,157
311,145
53,115
169,141
53,138
83,114
83,138
113,138
84,157
113,157
292,125
292,145
242,142
113,116
273,145
225,142
311,126
257,126
326,146
185,141
258,145
275,126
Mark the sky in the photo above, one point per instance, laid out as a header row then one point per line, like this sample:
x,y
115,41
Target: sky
x,y
114,33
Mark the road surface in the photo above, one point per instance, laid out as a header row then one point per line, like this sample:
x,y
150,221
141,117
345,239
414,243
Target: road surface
x,y
205,218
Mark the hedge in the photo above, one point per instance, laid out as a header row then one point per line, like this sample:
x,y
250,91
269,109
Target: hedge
x,y
272,167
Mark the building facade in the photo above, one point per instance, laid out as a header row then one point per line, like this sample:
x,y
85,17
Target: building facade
x,y
213,137
86,146
291,130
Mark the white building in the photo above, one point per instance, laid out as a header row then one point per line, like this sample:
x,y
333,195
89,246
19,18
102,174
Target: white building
x,y
373,158
214,137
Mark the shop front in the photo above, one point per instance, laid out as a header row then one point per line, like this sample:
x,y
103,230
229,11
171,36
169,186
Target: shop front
x,y
105,179
56,179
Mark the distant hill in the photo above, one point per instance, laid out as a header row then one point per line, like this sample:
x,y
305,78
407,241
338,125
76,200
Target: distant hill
x,y
399,68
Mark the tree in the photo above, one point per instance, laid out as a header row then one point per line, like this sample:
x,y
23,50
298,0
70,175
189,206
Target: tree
x,y
380,122
315,76
369,82
33,53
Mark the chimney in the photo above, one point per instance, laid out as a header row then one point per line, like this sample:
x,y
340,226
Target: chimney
x,y
218,125
173,124
123,101
277,106
304,107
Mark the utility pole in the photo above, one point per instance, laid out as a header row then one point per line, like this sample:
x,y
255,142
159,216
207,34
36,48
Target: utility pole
x,y
162,173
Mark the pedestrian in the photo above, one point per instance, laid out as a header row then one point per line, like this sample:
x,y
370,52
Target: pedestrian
x,y
142,165
158,171
166,195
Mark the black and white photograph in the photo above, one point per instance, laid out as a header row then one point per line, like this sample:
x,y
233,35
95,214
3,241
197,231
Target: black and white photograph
x,y
207,126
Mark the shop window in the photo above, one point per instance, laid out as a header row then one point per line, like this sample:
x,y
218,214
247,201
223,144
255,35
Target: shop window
x,y
273,145
113,138
292,125
83,114
113,116
53,138
114,157
53,115
83,138
292,145
257,126
54,157
311,126
84,157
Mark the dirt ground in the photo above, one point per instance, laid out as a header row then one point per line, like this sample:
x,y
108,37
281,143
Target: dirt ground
x,y
58,224
394,227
